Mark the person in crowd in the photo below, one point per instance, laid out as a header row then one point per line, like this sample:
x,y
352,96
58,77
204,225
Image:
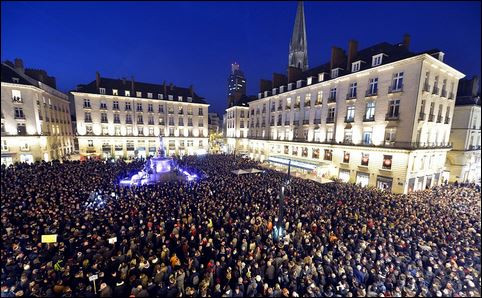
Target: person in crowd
x,y
215,237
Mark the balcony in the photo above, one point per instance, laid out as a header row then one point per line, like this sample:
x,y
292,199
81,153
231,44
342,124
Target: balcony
x,y
296,122
349,119
369,118
351,96
150,111
305,122
272,109
287,108
444,93
140,122
447,120
430,117
103,107
439,119
287,122
370,93
474,147
104,121
317,121
435,90
128,121
87,107
330,120
280,108
263,111
395,89
127,109
318,103
130,148
451,95
278,123
86,120
331,99
297,106
150,123
421,117
170,112
389,117
17,99
271,123
426,87
116,121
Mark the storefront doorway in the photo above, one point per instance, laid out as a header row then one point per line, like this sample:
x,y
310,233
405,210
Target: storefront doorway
x,y
384,183
344,175
362,179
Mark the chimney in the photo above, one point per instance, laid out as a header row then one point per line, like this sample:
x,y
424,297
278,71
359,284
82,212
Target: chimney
x,y
97,79
19,65
265,85
352,51
132,85
279,80
294,74
338,57
406,41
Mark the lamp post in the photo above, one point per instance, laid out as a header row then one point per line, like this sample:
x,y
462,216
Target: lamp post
x,y
279,226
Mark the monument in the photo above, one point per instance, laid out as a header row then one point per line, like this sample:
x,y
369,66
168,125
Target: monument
x,y
154,168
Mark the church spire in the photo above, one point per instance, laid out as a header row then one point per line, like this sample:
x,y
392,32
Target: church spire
x,y
298,56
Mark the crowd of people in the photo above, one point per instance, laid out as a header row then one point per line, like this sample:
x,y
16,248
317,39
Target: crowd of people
x,y
215,237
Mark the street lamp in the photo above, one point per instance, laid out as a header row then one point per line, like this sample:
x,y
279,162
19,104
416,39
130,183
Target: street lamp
x,y
278,232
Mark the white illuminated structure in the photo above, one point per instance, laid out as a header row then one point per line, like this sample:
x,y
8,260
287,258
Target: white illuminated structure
x,y
35,118
122,118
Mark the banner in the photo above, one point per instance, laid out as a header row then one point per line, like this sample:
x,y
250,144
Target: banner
x,y
49,238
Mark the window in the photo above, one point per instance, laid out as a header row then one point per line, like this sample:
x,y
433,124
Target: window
x,y
139,107
201,123
171,121
19,113
294,151
140,131
397,81
15,80
103,105
102,90
200,113
328,154
115,105
128,119
151,131
140,120
332,94
242,114
149,95
390,136
435,85
346,157
179,98
370,111
319,98
103,117
350,113
331,115
181,122
115,92
347,138
160,96
364,159
116,118
444,88
128,106
189,99
355,66
16,96
129,132
161,121
89,130
180,110
307,102
86,103
150,108
373,86
334,73
21,129
394,108
4,145
315,153
117,131
150,120
90,143
138,93
367,138
329,135
387,162
377,59
127,93
352,93
105,130
170,97
161,109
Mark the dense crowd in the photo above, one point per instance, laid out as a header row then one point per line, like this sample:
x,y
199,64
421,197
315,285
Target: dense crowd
x,y
215,237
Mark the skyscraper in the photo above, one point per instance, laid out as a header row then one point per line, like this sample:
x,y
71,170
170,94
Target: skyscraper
x,y
298,56
236,84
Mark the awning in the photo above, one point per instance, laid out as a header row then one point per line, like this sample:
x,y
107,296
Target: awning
x,y
253,170
294,163
239,172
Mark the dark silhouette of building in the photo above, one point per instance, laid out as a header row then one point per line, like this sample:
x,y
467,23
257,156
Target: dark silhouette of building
x,y
298,56
236,85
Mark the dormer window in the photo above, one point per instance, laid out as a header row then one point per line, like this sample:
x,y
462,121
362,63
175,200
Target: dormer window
x,y
309,81
290,86
115,92
335,73
139,94
149,95
281,89
355,66
127,93
321,77
179,98
299,83
273,91
170,97
102,90
15,80
189,99
377,60
160,96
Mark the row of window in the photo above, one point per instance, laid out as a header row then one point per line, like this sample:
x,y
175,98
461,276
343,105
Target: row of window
x,y
140,131
115,92
56,130
139,107
140,120
17,98
140,144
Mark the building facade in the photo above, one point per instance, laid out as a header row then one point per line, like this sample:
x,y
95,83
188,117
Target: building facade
x,y
298,53
214,123
35,118
464,160
123,119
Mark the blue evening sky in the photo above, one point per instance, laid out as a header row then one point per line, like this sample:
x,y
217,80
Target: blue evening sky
x,y
195,42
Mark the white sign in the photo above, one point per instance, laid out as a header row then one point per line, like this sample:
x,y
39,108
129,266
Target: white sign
x,y
112,240
93,277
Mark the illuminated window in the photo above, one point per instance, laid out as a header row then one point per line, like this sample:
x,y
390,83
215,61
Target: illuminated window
x,y
328,154
138,93
115,92
346,157
149,95
364,159
387,162
355,66
377,59
127,93
90,143
102,90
